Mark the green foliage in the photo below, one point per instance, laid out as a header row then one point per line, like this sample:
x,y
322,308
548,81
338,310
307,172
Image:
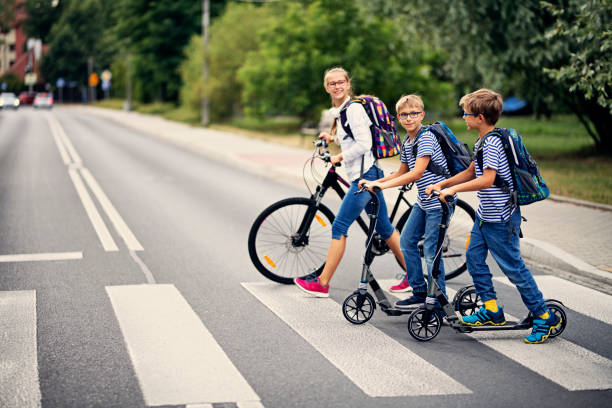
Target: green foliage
x,y
156,34
286,74
42,14
76,37
13,83
532,49
585,27
232,36
7,15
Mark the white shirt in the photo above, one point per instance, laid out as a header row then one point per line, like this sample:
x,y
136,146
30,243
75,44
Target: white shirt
x,y
361,146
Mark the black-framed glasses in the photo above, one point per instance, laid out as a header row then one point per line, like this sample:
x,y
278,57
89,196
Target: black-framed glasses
x,y
465,115
338,83
406,115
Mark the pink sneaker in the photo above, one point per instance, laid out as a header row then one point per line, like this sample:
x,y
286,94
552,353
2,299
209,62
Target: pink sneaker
x,y
312,287
403,286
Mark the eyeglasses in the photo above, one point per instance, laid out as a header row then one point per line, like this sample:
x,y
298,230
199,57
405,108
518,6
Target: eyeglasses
x,y
465,115
337,83
411,115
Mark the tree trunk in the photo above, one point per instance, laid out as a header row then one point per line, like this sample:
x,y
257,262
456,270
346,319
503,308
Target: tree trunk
x,y
601,119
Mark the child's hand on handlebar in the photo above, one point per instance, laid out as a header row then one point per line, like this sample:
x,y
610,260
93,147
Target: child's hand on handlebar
x,y
328,138
372,185
447,192
335,159
431,188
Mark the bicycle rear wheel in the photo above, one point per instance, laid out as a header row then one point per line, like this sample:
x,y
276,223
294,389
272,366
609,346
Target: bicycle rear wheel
x,y
273,247
456,240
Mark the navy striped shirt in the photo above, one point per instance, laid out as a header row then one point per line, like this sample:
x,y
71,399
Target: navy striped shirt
x,y
494,205
427,145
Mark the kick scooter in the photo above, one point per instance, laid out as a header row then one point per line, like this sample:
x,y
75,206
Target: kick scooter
x,y
425,322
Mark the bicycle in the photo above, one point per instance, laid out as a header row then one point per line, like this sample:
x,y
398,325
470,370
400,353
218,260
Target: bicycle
x,y
290,238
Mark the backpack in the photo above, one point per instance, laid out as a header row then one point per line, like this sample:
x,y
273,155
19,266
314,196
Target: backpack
x,y
458,155
529,186
385,139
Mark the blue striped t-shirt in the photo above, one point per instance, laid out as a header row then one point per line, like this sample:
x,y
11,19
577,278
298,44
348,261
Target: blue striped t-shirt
x,y
494,205
427,145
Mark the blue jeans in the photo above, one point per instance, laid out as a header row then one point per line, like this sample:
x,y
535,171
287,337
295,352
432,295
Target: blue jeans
x,y
421,222
352,205
502,240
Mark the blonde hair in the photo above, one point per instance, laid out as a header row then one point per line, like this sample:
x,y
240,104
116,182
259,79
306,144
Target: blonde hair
x,y
483,101
344,72
410,100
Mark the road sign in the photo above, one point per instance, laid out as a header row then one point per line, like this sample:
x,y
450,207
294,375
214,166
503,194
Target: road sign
x,y
60,83
30,79
94,80
106,75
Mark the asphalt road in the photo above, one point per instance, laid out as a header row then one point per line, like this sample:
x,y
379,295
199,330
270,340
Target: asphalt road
x,y
134,288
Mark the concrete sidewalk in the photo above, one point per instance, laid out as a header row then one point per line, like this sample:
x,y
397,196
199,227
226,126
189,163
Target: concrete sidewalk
x,y
567,237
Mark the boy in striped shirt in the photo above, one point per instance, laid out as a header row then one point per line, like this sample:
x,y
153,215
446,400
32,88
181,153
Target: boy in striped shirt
x,y
420,147
498,221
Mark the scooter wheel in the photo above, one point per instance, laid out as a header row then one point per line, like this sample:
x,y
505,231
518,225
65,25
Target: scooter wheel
x,y
358,308
468,302
557,309
424,325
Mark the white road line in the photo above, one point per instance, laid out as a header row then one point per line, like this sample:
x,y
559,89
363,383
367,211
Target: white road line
x,y
571,366
58,142
176,359
373,361
94,216
143,267
50,256
583,300
120,225
19,385
67,143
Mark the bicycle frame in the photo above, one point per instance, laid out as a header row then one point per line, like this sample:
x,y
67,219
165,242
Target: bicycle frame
x,y
334,181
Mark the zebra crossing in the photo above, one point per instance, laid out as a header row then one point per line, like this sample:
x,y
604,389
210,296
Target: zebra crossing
x,y
177,360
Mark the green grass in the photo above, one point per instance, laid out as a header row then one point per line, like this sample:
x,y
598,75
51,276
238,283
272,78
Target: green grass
x,y
565,154
564,151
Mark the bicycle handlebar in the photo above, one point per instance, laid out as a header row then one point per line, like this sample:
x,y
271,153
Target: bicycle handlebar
x,y
448,199
365,188
321,144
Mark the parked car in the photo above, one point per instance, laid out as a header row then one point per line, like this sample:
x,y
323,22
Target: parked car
x,y
26,98
8,100
43,100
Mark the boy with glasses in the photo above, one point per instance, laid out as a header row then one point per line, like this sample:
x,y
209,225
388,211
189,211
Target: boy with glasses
x,y
419,148
498,221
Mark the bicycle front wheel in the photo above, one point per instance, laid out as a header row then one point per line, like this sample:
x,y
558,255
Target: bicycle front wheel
x,y
456,240
274,247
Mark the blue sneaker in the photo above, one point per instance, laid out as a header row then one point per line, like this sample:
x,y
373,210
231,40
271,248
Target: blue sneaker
x,y
417,299
542,328
485,317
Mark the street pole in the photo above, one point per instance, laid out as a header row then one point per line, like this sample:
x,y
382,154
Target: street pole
x,y
127,106
89,72
205,23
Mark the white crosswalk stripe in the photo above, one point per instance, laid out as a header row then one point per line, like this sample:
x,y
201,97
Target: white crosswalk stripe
x,y
360,352
583,300
567,364
19,385
176,359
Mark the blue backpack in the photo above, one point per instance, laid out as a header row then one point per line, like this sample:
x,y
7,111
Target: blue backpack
x,y
458,155
529,186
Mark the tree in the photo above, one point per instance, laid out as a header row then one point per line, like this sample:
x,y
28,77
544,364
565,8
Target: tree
x,y
232,36
42,14
530,48
82,31
7,14
156,34
285,76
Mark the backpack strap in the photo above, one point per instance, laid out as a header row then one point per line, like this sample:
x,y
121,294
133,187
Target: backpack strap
x,y
499,182
432,167
347,129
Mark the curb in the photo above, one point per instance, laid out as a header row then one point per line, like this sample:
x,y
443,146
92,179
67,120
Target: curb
x,y
580,203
